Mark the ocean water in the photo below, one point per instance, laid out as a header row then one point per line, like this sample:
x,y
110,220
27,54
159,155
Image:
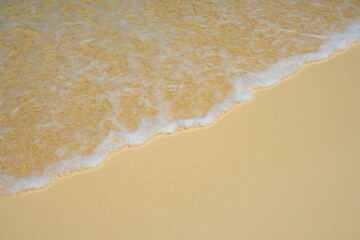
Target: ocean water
x,y
81,79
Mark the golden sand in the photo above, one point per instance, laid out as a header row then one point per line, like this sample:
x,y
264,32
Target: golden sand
x,y
284,166
74,71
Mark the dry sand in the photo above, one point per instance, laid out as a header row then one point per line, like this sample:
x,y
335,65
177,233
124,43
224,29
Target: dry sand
x,y
284,166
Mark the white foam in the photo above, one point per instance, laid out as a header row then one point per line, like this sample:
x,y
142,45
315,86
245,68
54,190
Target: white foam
x,y
149,129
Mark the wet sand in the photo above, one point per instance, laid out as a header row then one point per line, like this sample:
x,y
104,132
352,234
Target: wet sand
x,y
283,166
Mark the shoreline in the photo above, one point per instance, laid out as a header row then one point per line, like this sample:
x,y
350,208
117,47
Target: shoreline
x,y
231,107
280,166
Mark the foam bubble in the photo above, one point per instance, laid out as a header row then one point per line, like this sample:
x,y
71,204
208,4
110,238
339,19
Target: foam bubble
x,y
121,80
269,77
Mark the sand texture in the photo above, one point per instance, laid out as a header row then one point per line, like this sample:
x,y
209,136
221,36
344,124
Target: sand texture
x,y
78,78
283,166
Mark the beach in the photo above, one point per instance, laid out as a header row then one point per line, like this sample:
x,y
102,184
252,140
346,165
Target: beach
x,y
284,165
82,80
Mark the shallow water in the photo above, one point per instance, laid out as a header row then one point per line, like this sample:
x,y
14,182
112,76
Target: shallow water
x,y
81,79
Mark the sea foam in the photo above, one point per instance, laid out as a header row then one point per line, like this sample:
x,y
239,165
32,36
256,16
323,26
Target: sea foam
x,y
118,136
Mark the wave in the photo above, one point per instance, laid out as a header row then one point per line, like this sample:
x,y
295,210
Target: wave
x,y
241,82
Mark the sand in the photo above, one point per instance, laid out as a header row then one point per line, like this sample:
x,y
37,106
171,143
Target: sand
x,y
283,166
78,80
